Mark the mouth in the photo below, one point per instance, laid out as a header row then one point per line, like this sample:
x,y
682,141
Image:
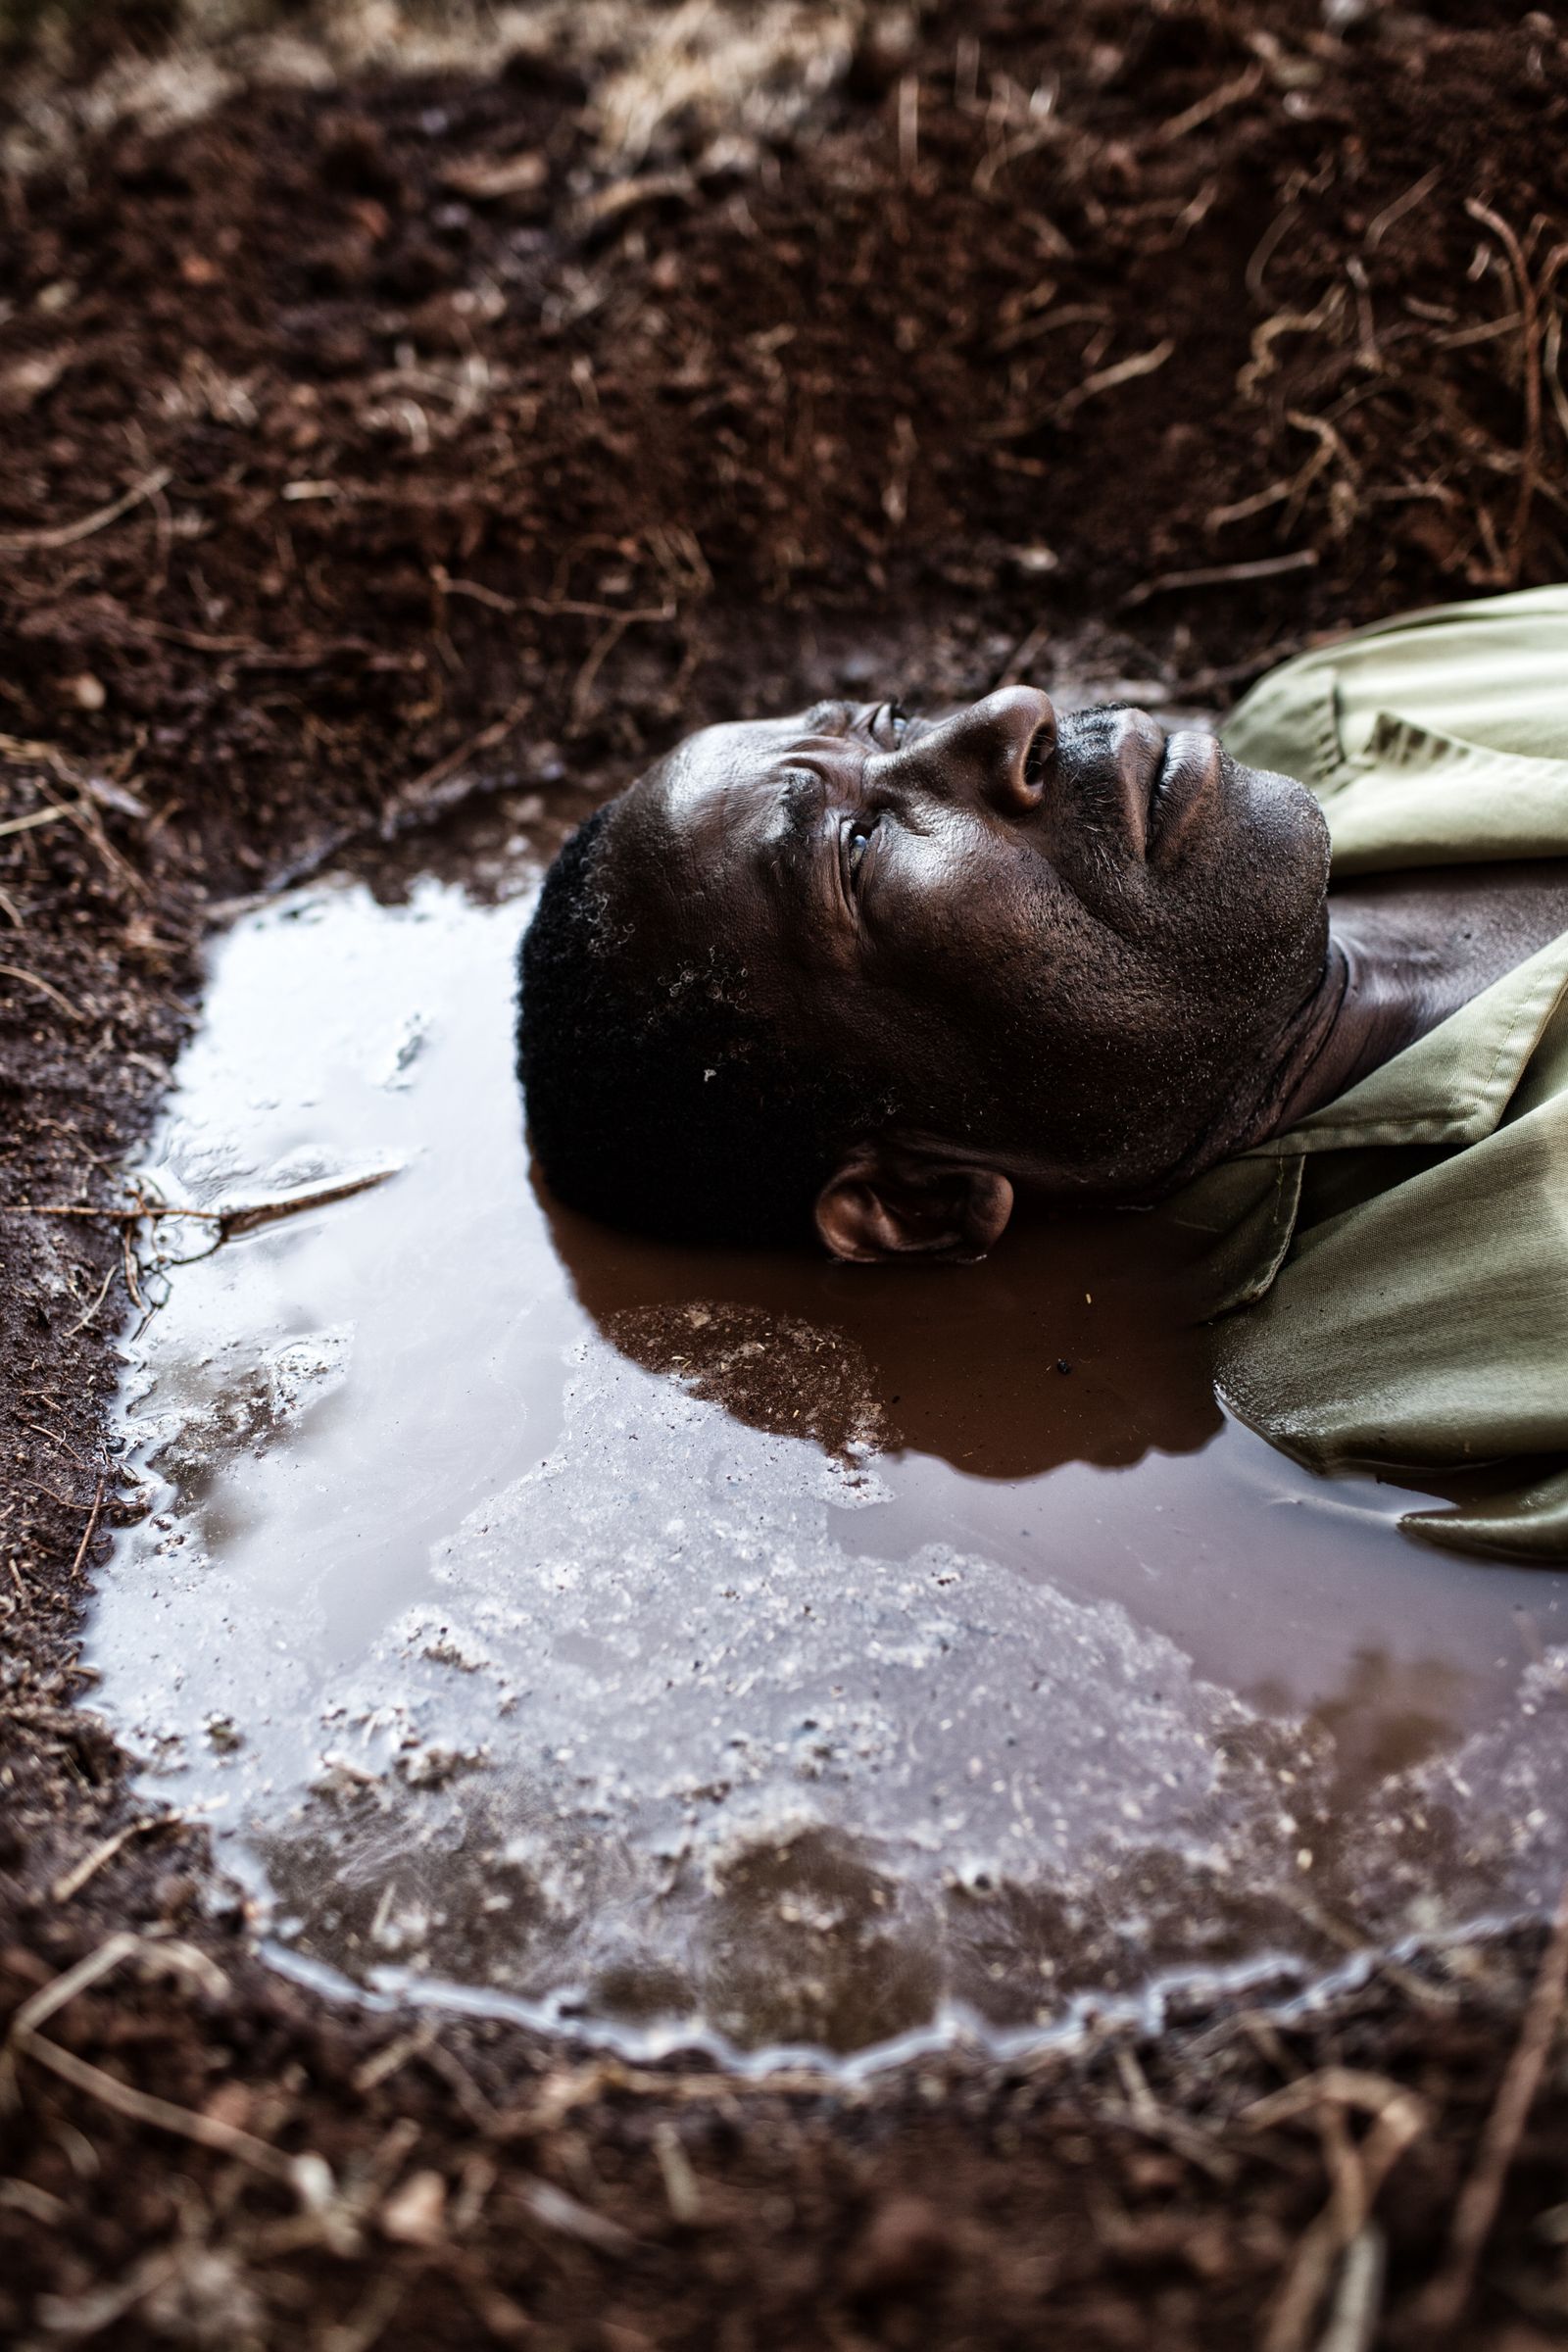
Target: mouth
x,y
1166,780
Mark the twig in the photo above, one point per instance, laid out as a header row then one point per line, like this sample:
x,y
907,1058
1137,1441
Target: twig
x,y
583,609
1263,363
140,2107
558,2211
243,1218
42,2004
1490,540
90,1531
24,2196
1529,339
1552,338
1050,322
1476,2209
26,824
268,1213
1019,661
52,1437
307,2176
1243,508
1340,2087
1228,93
88,1867
1329,445
1355,270
481,595
1358,2174
129,1262
392,2057
103,1293
1144,2113
1358,2298
1530,300
29,747
1217,575
909,124
682,2188
1550,367
1202,682
1488,331
1267,246
1379,228
998,159
67,534
107,1216
469,2097
46,987
1104,379
64,1502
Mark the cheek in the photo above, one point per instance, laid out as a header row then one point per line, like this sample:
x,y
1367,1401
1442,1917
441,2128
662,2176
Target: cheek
x,y
959,909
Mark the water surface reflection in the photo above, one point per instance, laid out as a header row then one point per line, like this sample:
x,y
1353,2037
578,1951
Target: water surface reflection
x,y
794,1652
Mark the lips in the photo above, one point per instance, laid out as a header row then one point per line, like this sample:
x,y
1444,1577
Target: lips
x,y
1179,788
1164,779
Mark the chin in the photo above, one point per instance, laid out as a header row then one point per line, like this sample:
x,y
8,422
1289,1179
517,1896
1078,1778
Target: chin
x,y
1283,849
1254,950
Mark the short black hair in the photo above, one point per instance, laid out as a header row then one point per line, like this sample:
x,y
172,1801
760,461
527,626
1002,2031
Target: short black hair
x,y
655,1098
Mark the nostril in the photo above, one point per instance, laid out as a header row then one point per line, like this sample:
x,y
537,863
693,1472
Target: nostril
x,y
1041,750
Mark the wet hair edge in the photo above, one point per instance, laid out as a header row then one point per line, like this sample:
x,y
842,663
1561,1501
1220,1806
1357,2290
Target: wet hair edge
x,y
655,1102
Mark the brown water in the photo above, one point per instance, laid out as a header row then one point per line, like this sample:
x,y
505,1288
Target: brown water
x,y
752,1650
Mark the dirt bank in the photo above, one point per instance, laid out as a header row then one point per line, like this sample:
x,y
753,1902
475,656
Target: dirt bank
x,y
372,446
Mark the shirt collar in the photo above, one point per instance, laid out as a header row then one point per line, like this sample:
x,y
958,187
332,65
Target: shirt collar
x,y
1453,1085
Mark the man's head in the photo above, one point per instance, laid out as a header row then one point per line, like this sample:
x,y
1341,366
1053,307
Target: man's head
x,y
875,973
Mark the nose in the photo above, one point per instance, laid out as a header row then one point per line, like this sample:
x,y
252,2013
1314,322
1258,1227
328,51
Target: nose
x,y
998,751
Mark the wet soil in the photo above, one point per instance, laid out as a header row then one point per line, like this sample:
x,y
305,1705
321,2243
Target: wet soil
x,y
373,447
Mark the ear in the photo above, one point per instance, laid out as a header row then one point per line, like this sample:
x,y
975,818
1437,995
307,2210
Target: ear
x,y
881,1203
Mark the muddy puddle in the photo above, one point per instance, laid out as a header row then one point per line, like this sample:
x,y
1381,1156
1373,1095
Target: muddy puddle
x,y
750,1651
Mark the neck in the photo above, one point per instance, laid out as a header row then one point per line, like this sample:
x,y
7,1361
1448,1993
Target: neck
x,y
1378,992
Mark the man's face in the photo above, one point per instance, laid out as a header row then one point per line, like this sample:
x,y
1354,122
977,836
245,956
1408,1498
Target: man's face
x,y
1070,946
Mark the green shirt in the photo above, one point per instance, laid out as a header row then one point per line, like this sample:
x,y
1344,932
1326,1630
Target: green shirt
x,y
1394,1270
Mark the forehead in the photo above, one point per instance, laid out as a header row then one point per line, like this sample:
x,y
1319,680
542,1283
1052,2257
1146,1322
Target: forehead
x,y
710,768
700,815
694,835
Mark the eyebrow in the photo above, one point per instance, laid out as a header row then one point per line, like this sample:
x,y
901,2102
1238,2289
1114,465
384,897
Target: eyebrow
x,y
800,799
793,861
